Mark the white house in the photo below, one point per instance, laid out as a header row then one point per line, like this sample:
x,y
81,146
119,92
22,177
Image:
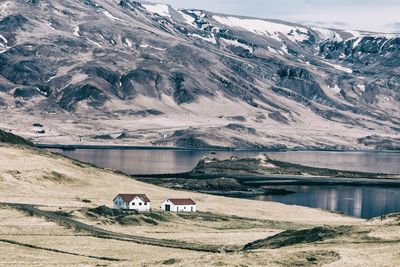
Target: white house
x,y
139,202
179,205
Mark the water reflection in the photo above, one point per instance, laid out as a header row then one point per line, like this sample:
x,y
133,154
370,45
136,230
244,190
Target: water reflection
x,y
356,161
172,161
363,202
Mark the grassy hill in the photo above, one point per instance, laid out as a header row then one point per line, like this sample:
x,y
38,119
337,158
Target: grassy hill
x,y
10,138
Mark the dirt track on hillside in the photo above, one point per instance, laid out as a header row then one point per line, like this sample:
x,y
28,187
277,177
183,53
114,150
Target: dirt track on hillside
x,y
101,233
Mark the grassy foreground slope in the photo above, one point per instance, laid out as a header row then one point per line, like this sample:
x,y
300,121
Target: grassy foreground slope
x,y
69,192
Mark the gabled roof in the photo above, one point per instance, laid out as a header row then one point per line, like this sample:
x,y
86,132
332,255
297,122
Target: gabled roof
x,y
182,201
130,197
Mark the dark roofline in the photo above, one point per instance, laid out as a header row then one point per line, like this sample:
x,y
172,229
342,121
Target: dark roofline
x,y
181,201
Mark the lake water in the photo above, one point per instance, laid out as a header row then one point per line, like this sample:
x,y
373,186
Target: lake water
x,y
358,201
141,161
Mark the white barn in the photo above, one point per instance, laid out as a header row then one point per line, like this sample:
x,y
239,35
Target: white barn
x,y
179,205
139,202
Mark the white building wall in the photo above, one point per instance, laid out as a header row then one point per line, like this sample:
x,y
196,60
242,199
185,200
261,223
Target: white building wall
x,y
136,204
163,204
185,208
139,205
178,208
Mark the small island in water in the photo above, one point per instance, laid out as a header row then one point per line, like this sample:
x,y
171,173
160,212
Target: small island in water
x,y
255,176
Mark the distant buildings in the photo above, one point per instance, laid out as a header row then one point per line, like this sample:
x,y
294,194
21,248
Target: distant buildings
x,y
140,202
179,205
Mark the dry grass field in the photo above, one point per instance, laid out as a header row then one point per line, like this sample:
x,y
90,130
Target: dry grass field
x,y
62,229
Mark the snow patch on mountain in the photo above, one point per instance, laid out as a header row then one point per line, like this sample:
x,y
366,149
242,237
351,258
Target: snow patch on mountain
x,y
285,50
95,43
357,42
197,13
266,28
50,25
338,67
361,87
209,39
76,31
237,43
110,16
159,9
188,19
40,91
107,40
127,42
270,49
152,47
3,41
328,35
336,89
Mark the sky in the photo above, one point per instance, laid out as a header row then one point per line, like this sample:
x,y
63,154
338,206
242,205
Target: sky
x,y
368,15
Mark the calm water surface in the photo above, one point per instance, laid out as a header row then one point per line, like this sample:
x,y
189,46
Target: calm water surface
x,y
174,161
360,201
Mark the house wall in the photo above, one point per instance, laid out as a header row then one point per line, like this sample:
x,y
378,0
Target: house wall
x,y
139,205
180,208
136,204
185,208
120,204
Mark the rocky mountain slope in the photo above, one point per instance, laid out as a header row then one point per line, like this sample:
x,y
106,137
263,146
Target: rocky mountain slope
x,y
124,72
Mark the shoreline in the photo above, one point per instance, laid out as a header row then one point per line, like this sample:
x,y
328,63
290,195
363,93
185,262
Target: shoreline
x,y
251,180
281,180
211,149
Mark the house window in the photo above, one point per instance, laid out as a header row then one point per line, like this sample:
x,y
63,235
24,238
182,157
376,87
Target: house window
x,y
140,204
145,203
133,203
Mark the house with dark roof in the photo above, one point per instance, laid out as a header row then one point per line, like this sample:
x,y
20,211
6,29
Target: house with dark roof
x,y
179,205
139,202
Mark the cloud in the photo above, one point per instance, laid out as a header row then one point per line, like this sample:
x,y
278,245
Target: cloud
x,y
395,26
339,23
368,15
375,19
325,24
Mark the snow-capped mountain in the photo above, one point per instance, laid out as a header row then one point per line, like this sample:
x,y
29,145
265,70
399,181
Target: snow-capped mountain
x,y
128,72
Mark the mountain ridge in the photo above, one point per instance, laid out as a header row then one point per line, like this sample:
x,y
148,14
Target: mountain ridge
x,y
118,69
